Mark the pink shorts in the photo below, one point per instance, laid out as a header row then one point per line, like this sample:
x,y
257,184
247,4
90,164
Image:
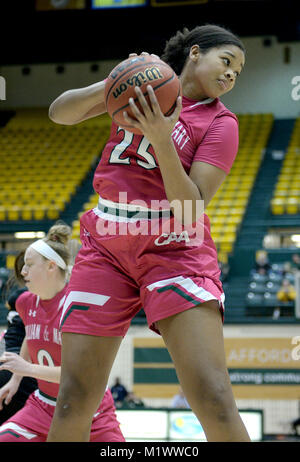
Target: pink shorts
x,y
114,276
32,422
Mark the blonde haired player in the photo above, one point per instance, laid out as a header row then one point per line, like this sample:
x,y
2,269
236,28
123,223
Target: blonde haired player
x,y
45,272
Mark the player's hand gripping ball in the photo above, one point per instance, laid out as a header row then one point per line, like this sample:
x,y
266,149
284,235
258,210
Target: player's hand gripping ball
x,y
140,71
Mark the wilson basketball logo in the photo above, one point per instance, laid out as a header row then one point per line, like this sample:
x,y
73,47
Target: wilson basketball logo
x,y
138,79
141,72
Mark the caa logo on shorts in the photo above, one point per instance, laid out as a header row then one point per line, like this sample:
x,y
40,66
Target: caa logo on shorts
x,y
165,238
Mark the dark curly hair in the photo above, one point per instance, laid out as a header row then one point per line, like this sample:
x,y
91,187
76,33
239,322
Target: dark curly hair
x,y
208,36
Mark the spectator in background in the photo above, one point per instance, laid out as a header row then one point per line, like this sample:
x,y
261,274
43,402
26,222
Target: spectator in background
x,y
262,262
4,275
262,272
295,263
179,401
15,332
296,426
132,401
286,269
287,292
119,392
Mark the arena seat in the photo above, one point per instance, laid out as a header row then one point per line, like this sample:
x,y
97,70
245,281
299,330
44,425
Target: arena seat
x,y
261,295
44,163
286,195
227,209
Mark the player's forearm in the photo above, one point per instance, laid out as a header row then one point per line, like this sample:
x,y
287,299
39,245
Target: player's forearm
x,y
48,373
75,105
24,353
181,191
21,366
16,380
37,371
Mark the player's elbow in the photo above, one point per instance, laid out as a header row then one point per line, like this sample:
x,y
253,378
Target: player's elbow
x,y
52,115
56,117
59,113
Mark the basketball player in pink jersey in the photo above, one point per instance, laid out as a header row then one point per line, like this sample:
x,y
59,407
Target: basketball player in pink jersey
x,y
159,177
44,273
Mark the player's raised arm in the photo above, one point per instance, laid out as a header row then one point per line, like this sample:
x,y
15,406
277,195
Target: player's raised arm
x,y
77,105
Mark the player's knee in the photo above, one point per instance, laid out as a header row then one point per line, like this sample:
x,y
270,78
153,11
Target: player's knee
x,y
71,392
75,398
213,396
218,398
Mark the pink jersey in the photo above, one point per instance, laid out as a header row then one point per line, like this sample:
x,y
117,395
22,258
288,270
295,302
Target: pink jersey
x,y
41,320
206,131
123,265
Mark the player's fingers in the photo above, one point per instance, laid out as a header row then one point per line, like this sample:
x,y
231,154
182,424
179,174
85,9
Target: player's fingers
x,y
135,110
6,365
8,398
131,55
154,103
129,120
143,102
7,355
2,398
148,54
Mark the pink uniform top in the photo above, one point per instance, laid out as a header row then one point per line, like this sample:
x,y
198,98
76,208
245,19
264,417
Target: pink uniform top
x,y
206,131
41,319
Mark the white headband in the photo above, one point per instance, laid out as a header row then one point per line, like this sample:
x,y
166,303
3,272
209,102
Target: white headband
x,y
44,249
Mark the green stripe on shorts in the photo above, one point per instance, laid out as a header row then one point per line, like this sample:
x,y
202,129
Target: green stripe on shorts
x,y
73,307
179,292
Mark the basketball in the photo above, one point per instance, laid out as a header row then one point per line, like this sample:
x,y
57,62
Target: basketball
x,y
140,71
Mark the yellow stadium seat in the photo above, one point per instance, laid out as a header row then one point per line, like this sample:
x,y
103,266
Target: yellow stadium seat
x,y
277,206
10,261
286,197
52,212
2,213
13,212
39,212
26,212
228,236
52,160
226,247
292,205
